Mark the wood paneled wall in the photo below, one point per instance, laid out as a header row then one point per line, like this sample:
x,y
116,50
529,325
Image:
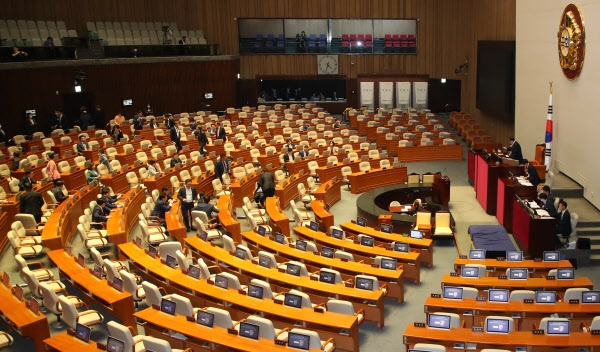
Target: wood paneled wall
x,y
448,31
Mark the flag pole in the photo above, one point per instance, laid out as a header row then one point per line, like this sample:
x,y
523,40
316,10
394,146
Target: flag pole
x,y
549,131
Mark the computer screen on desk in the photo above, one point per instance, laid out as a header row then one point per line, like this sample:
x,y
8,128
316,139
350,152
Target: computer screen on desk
x,y
438,321
551,256
194,271
337,234
221,281
117,284
361,221
279,238
565,273
167,306
264,261
364,283
498,295
498,326
240,253
314,226
249,330
545,297
388,263
299,341
293,269
514,256
255,291
152,251
416,234
327,277
83,333
477,254
401,247
171,261
301,245
115,345
367,241
518,273
205,318
469,271
327,252
386,228
452,292
590,297
558,327
262,230
292,300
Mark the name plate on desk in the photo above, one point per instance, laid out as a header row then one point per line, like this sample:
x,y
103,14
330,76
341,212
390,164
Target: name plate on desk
x,y
436,295
242,292
281,270
419,325
595,332
462,256
190,319
232,331
280,342
573,301
477,329
537,332
481,299
551,277
373,265
537,260
502,277
276,301
528,300
349,284
155,306
500,259
319,309
453,274
314,278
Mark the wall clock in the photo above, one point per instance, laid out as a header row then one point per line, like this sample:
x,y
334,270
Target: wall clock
x,y
327,64
571,42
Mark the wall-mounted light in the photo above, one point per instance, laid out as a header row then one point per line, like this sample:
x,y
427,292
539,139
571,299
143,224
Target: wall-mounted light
x,y
77,89
238,76
443,80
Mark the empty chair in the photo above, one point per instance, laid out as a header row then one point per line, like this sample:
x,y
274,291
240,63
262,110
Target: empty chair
x,y
520,295
23,248
364,166
574,293
454,319
429,347
480,267
384,163
153,294
34,284
123,333
152,238
130,285
99,260
343,255
222,318
184,306
315,341
266,329
158,345
303,195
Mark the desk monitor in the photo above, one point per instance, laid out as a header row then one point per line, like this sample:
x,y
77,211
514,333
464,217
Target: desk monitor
x,y
299,341
301,245
293,269
34,306
327,207
545,297
477,254
221,281
6,279
518,273
117,284
83,333
416,234
279,238
262,231
367,241
98,272
292,300
327,277
337,234
590,297
81,260
255,291
249,330
167,306
240,253
558,327
361,221
194,271
565,274
514,256
204,236
314,226
18,292
171,261
551,256
115,345
152,252
388,263
401,247
387,228
450,292
264,261
205,318
498,295
438,321
469,271
364,283
497,326
327,252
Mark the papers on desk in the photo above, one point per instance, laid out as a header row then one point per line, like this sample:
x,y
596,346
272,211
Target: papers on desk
x,y
542,213
533,205
525,183
406,208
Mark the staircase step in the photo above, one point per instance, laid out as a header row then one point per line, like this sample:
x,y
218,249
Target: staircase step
x,y
588,231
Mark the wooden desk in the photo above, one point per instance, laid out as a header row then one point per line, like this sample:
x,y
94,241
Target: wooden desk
x,y
319,292
508,188
203,294
485,183
197,335
18,316
366,181
65,342
231,224
474,312
410,261
327,173
74,180
95,291
534,234
125,218
277,218
60,149
244,188
414,335
59,228
174,220
430,152
484,283
322,216
328,192
423,246
287,190
500,266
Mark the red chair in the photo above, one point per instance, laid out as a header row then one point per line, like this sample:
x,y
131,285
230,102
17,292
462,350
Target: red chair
x,y
395,38
369,37
345,48
344,37
388,47
369,47
388,38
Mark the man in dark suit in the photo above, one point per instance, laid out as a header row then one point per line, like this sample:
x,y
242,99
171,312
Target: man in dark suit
x,y
82,145
175,160
546,189
514,149
289,144
57,191
547,205
532,174
138,120
187,196
266,182
202,139
85,119
160,208
289,156
221,166
176,136
99,116
26,179
304,152
153,124
100,213
31,202
62,121
117,134
221,134
563,226
169,121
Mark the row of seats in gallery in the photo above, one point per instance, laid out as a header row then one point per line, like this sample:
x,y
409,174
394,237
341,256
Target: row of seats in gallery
x,y
356,43
140,33
33,33
270,43
399,43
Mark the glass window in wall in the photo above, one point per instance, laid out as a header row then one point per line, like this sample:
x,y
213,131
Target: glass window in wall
x,y
351,36
305,36
395,36
261,35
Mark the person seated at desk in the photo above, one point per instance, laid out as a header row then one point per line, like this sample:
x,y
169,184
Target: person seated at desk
x,y
103,159
514,149
16,156
175,159
547,191
152,124
26,179
305,127
304,152
532,174
57,191
83,144
154,168
168,191
31,202
289,145
337,123
205,206
117,134
332,148
416,207
221,166
100,214
111,203
91,174
546,205
160,208
289,156
563,225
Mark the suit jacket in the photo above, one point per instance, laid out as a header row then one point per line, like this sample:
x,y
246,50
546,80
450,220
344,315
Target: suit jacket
x,y
175,162
549,207
515,151
221,169
174,137
22,182
266,181
58,194
181,194
202,139
63,123
288,158
153,125
534,178
563,227
81,146
303,154
98,214
170,122
221,133
160,208
31,203
138,122
117,137
84,121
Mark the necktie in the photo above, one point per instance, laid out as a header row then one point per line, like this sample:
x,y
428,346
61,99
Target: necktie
x,y
224,166
561,215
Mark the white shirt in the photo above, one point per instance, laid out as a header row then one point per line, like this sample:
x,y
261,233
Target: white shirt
x,y
188,195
